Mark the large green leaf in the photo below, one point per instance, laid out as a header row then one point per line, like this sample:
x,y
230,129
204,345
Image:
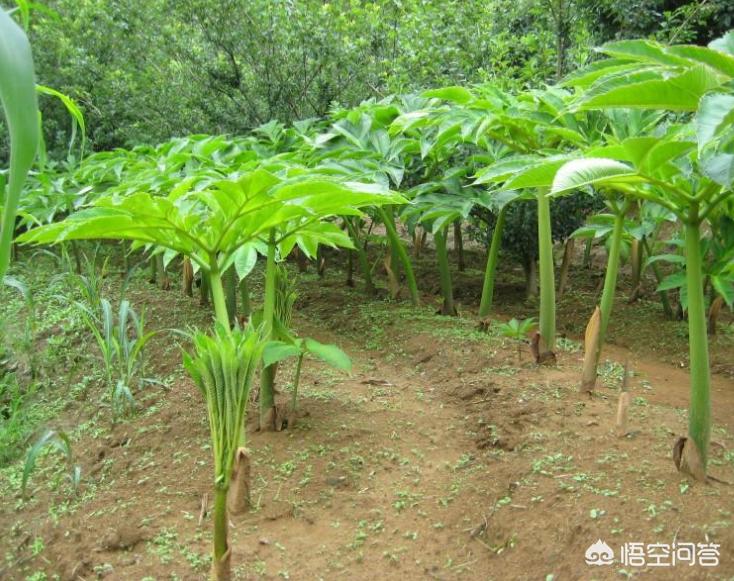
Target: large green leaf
x,y
18,96
458,95
725,287
592,171
715,114
680,92
719,168
538,175
642,50
220,219
675,280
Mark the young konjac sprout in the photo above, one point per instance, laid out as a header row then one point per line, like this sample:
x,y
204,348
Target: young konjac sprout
x,y
517,330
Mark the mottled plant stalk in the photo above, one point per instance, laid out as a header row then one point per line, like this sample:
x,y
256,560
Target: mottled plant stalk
x,y
594,348
492,258
221,566
390,225
547,278
296,381
447,292
153,270
267,377
245,298
568,253
459,245
699,419
587,253
364,264
397,246
664,300
125,257
204,290
230,293
610,278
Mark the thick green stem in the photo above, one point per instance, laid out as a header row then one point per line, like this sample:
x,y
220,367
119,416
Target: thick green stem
x,y
445,273
699,418
397,246
267,378
220,303
492,258
610,278
364,264
220,523
547,277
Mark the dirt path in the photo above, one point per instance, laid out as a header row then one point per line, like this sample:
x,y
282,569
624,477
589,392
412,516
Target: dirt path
x,y
393,482
672,384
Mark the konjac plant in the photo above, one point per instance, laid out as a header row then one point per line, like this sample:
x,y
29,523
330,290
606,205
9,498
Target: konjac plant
x,y
687,169
209,227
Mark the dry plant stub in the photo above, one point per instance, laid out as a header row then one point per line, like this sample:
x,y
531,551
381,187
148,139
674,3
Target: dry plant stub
x,y
623,405
238,498
591,351
622,413
687,459
222,568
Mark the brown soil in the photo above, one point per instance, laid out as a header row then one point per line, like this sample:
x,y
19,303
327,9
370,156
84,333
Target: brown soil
x,y
442,456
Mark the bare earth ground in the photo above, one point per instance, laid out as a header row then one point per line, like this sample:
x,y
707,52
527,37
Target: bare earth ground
x,y
442,456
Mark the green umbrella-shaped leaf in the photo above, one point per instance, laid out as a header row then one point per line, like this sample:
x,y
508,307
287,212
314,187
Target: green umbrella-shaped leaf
x,y
591,171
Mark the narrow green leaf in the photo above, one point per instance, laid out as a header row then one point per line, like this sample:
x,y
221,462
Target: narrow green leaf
x,y
18,96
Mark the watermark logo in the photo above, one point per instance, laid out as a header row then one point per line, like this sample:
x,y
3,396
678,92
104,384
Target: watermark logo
x,y
599,554
655,554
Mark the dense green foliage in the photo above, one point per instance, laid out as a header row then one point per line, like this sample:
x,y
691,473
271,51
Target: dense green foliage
x,y
145,72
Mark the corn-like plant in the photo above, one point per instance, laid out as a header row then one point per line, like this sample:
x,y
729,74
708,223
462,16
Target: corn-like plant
x,y
89,283
29,327
57,441
121,340
285,296
223,366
